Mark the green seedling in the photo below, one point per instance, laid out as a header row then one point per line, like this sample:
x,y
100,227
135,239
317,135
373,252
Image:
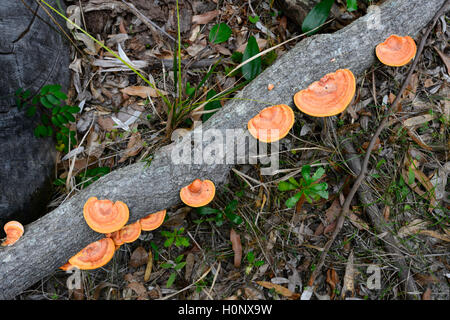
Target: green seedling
x,y
175,237
252,263
308,186
219,216
175,266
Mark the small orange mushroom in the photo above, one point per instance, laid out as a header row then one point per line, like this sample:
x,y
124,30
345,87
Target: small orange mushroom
x,y
115,236
130,232
272,123
14,230
67,266
396,51
198,193
328,96
95,255
105,216
153,220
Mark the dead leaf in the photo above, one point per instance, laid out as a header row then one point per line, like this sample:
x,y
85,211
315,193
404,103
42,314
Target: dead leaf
x,y
332,280
358,222
139,289
106,123
138,257
411,89
134,146
148,268
142,91
261,45
253,294
412,228
436,235
445,58
427,294
204,18
190,259
349,282
237,247
386,213
278,288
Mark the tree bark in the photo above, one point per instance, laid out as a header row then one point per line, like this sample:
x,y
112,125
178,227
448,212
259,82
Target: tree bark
x,y
32,54
51,240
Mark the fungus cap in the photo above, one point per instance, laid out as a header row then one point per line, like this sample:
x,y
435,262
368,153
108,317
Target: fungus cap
x,y
14,230
105,216
67,266
95,255
272,123
198,193
130,232
153,220
396,51
115,236
328,96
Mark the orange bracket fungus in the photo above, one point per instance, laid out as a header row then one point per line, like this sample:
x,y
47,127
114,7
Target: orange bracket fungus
x,y
105,216
152,221
272,123
198,193
95,255
14,230
396,51
67,266
328,96
130,232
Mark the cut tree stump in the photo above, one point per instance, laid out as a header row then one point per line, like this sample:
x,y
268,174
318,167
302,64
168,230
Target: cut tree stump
x,y
50,241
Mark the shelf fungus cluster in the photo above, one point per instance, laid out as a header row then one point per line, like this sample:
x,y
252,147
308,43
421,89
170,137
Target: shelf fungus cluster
x,y
109,218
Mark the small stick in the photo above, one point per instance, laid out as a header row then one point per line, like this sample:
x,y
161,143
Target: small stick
x,y
383,124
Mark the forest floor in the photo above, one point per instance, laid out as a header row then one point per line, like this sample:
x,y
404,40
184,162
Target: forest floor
x,y
123,121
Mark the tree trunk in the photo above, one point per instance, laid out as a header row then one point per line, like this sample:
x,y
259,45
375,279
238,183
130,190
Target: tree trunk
x,y
51,240
32,54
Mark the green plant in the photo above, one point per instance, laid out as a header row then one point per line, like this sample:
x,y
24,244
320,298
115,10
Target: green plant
x,y
175,237
176,265
252,263
319,14
219,216
54,114
219,33
309,186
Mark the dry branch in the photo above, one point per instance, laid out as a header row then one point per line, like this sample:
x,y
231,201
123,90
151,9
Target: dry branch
x,y
51,240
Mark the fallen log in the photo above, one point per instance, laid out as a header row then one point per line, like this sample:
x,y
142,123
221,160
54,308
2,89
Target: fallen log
x,y
51,240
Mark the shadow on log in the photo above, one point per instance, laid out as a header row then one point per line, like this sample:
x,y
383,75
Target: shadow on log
x,y
51,240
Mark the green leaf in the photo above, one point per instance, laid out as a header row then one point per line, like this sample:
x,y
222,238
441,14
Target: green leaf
x,y
318,174
411,176
185,242
166,234
293,200
251,69
56,110
219,33
180,266
60,95
62,119
317,16
319,186
168,242
207,210
166,265
69,116
49,131
171,279
254,19
65,130
212,105
56,122
189,90
306,173
45,120
234,218
50,88
45,102
41,130
31,111
73,109
250,257
231,207
323,194
259,263
286,186
179,258
237,57
352,5
52,99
